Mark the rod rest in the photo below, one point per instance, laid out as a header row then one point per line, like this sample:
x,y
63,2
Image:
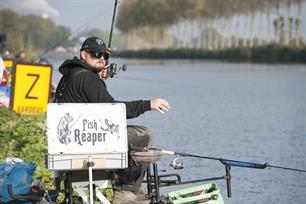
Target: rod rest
x,y
168,182
171,181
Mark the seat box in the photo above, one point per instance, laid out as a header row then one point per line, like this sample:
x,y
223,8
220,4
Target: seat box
x,y
77,131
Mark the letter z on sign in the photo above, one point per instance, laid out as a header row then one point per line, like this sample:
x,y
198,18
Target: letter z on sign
x,y
31,86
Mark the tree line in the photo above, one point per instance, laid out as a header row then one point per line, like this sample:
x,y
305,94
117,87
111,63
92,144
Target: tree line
x,y
171,24
29,32
37,35
210,24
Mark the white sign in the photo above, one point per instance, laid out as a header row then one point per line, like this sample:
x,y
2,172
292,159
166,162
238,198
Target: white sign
x,y
78,128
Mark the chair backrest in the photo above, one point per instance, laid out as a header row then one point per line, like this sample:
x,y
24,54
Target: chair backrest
x,y
77,131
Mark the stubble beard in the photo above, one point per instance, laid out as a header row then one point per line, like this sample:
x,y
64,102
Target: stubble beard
x,y
98,66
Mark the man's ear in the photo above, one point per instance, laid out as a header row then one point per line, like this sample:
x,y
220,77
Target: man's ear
x,y
83,55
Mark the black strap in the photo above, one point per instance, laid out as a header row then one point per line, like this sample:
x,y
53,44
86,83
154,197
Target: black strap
x,y
62,85
60,89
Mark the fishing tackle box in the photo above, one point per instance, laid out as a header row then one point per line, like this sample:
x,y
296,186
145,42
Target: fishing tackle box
x,y
206,193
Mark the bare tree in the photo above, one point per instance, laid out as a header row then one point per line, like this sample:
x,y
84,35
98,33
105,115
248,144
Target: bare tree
x,y
196,23
289,26
298,23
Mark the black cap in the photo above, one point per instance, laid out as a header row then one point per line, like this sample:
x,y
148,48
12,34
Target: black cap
x,y
94,44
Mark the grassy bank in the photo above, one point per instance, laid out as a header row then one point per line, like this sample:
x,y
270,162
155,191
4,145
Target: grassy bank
x,y
25,137
267,54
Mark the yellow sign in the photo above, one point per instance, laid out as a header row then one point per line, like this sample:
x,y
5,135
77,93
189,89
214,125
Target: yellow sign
x,y
31,88
8,63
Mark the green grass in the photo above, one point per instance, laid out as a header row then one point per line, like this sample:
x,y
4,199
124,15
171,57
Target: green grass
x,y
25,137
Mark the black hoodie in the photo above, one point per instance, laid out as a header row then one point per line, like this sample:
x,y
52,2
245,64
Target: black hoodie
x,y
80,84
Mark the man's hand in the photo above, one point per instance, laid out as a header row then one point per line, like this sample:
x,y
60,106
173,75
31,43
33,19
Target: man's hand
x,y
159,104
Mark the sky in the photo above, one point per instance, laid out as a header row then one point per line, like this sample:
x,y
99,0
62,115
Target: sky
x,y
74,14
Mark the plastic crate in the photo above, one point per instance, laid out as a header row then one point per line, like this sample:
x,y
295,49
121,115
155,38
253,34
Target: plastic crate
x,y
206,193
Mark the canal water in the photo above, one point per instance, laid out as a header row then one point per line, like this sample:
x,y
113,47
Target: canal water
x,y
239,111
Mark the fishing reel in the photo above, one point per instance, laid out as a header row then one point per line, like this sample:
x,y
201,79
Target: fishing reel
x,y
114,68
177,165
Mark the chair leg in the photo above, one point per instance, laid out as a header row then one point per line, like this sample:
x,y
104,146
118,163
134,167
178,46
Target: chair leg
x,y
68,188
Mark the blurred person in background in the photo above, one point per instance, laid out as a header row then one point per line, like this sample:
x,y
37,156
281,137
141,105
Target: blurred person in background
x,y
22,57
2,46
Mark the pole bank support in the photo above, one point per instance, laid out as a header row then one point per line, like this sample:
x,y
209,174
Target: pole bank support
x,y
30,88
86,137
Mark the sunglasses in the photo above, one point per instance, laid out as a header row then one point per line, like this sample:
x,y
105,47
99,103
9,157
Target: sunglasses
x,y
98,55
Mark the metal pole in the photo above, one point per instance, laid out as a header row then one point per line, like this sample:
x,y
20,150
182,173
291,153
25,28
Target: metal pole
x,y
156,183
90,165
68,188
149,184
111,31
228,181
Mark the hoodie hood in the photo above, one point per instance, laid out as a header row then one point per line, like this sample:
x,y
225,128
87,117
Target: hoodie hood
x,y
70,64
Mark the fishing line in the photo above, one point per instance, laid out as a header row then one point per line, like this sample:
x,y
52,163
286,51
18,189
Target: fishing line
x,y
82,27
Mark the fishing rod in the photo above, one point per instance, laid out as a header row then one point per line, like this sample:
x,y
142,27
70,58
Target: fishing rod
x,y
155,181
112,25
114,68
231,162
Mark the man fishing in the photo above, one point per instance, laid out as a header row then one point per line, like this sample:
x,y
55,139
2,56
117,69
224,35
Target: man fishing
x,y
81,83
